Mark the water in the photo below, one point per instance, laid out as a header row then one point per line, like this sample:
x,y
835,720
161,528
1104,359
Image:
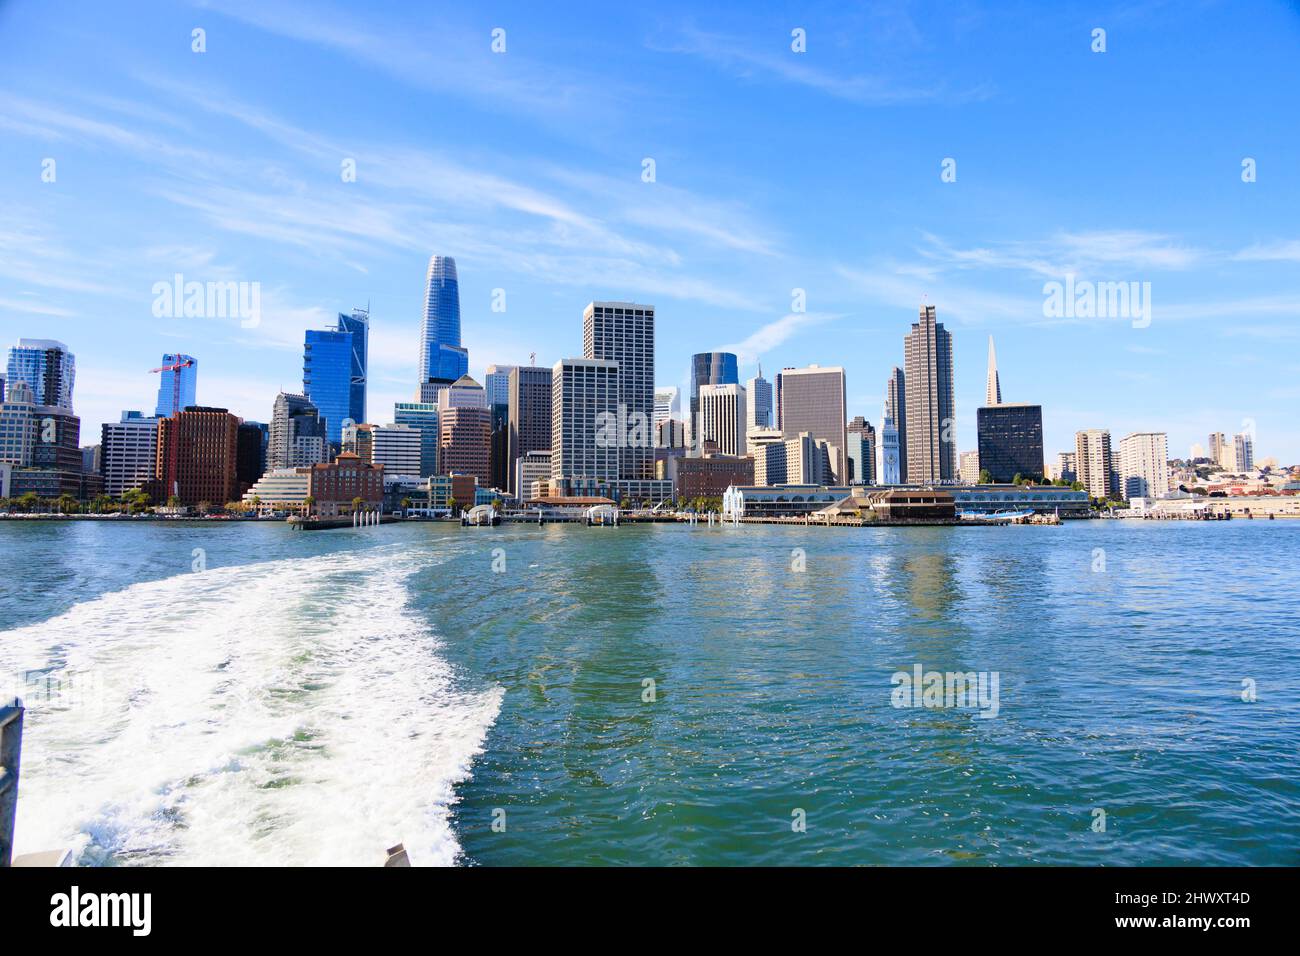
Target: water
x,y
316,697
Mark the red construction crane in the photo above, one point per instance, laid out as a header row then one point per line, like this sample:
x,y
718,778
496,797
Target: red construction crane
x,y
175,368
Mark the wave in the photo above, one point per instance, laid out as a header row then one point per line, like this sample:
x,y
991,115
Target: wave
x,y
292,712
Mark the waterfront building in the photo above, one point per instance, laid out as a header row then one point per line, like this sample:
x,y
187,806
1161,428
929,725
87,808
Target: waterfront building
x,y
297,436
708,476
584,394
442,358
794,499
197,453
759,390
1010,441
896,413
813,401
397,448
722,417
47,367
336,485
930,415
1144,465
624,333
280,489
176,366
128,453
890,458
465,430
529,417
708,368
18,425
970,467
1093,462
1243,453
424,417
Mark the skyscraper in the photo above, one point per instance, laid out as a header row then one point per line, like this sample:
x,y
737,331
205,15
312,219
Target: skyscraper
x,y
397,448
759,390
992,387
709,368
667,404
128,453
624,333
529,417
197,455
1092,462
1010,441
465,430
931,426
1243,453
896,414
1219,450
861,451
327,378
496,385
175,366
813,401
297,434
358,324
424,416
47,367
722,417
441,356
584,392
1144,465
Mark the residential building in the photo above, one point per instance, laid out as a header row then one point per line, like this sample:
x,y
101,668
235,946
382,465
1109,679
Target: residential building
x,y
1010,441
813,401
1092,456
1220,451
18,424
624,333
970,467
177,380
1144,465
1243,453
47,367
1067,467
297,436
930,414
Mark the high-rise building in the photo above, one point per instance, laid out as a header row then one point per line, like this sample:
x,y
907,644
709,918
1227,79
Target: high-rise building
x,y
584,393
396,447
813,401
722,417
128,453
1066,467
1092,461
931,423
1010,441
861,451
759,391
357,324
970,467
896,414
769,463
1144,465
441,356
186,369
496,385
250,454
667,404
1219,450
532,466
327,378
424,416
624,333
807,460
465,430
47,367
529,420
709,368
992,387
18,425
197,456
1243,453
297,437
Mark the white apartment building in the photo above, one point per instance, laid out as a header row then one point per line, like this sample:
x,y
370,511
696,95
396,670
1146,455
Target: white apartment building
x,y
1144,465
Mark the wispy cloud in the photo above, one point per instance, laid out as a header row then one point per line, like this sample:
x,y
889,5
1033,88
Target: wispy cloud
x,y
775,333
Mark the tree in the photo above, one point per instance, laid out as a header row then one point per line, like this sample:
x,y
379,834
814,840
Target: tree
x,y
451,505
204,507
1078,486
29,501
986,477
1017,479
307,504
64,502
358,503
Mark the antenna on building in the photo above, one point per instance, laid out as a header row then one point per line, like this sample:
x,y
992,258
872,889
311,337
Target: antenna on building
x,y
532,358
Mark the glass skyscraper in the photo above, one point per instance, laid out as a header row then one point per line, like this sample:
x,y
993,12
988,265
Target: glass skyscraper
x,y
710,368
327,378
358,323
188,376
47,367
424,416
441,354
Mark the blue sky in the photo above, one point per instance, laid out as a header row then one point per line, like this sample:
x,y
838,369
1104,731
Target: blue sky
x,y
775,170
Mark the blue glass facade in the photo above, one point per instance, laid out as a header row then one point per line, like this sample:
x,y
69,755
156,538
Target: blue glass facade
x,y
424,416
47,367
358,324
710,368
441,355
327,378
188,376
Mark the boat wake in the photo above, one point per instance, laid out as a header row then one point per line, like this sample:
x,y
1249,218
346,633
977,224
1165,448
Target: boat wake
x,y
293,712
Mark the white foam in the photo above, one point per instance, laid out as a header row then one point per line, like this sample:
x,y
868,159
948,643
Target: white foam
x,y
291,712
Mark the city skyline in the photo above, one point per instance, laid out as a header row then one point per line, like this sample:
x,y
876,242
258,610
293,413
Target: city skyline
x,y
551,233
